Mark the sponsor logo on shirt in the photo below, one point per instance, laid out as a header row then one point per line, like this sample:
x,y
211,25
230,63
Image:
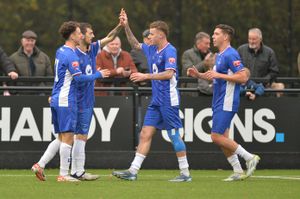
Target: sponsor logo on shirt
x,y
237,63
172,60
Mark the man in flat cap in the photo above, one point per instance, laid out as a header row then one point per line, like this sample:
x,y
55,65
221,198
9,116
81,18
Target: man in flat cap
x,y
29,60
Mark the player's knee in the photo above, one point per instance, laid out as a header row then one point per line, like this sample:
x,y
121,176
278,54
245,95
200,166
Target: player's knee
x,y
176,140
144,136
82,137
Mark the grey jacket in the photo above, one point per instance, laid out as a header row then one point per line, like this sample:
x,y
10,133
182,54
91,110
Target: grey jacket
x,y
192,57
40,59
263,63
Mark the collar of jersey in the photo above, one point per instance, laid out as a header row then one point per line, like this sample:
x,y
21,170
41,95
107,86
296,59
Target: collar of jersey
x,y
81,50
69,47
220,53
162,48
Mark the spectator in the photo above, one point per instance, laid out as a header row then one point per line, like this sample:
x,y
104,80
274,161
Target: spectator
x,y
257,89
260,59
206,86
138,56
29,60
118,61
196,57
8,67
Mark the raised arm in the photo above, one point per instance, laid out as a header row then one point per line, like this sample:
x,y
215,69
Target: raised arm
x,y
111,36
134,43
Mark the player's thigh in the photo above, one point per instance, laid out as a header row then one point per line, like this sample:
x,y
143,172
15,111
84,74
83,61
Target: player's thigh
x,y
64,118
55,119
153,117
221,121
171,119
84,117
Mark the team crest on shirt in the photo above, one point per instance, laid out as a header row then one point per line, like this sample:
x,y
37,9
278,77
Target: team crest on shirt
x,y
172,60
237,63
88,70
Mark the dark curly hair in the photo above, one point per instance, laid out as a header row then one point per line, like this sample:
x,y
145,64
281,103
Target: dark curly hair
x,y
67,28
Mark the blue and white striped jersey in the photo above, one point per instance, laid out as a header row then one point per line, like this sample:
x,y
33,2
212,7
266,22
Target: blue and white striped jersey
x,y
164,92
226,95
64,92
87,63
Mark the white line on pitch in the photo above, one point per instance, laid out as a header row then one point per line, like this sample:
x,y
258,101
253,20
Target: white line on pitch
x,y
277,177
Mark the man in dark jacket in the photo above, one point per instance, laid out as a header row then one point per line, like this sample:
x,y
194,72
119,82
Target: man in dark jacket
x,y
260,59
197,56
29,60
7,66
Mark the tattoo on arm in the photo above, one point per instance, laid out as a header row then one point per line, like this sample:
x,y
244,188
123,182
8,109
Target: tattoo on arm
x,y
111,36
134,43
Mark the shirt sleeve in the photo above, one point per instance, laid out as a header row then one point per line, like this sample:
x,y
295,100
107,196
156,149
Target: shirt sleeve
x,y
96,47
171,59
73,65
146,49
234,63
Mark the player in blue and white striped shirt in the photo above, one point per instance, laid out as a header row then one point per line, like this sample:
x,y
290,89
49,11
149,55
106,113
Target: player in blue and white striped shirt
x,y
87,52
163,111
227,75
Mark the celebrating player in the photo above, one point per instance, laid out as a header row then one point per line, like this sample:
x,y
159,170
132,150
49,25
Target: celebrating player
x,y
163,111
87,52
227,75
64,100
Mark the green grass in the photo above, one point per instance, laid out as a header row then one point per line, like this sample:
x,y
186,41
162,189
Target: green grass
x,y
22,184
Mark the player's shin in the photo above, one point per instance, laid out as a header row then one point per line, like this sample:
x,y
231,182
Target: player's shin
x,y
180,149
50,152
136,163
235,163
64,152
243,153
78,157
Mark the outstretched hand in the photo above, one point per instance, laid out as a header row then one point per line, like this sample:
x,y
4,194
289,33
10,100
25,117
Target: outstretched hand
x,y
192,72
123,17
105,73
138,77
211,74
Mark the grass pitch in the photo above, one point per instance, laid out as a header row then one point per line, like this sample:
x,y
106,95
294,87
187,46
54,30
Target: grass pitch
x,y
22,184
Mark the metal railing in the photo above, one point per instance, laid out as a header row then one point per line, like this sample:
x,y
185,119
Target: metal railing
x,y
134,87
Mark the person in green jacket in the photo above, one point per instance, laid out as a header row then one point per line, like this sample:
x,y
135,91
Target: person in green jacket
x,y
29,60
